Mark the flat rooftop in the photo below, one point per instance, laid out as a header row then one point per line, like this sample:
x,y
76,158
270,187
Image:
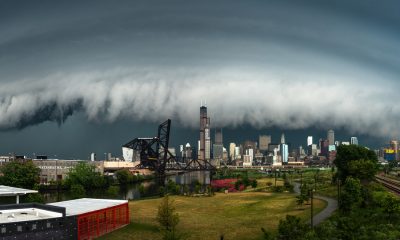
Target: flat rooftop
x,y
26,214
13,191
86,205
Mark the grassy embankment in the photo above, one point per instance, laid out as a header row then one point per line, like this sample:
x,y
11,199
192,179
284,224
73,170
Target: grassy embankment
x,y
234,215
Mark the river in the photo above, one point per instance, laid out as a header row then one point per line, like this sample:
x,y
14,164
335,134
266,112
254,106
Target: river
x,y
148,188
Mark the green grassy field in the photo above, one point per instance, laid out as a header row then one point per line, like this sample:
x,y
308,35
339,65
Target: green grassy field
x,y
234,215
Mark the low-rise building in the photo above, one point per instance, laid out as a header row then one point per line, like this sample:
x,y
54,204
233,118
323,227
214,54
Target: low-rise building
x,y
52,170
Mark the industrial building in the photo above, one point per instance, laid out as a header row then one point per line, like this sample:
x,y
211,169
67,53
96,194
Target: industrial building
x,y
52,170
78,219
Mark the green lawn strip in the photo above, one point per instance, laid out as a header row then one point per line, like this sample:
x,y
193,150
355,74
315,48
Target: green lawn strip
x,y
235,215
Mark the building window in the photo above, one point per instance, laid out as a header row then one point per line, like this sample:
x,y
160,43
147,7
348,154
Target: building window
x,y
19,228
33,226
48,225
3,230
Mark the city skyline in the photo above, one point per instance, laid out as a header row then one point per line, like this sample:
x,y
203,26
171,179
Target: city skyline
x,y
75,81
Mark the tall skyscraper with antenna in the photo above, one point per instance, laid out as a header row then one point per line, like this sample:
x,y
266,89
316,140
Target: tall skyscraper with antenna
x,y
205,139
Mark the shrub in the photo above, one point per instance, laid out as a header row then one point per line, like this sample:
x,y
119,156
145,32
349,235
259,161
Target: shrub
x,y
254,183
161,191
113,191
77,191
277,189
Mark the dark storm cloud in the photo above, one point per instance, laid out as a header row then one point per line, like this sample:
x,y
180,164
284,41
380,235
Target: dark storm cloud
x,y
291,64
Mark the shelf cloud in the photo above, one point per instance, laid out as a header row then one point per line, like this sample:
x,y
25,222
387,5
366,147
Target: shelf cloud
x,y
267,64
235,97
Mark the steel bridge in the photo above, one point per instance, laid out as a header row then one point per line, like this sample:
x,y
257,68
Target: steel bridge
x,y
154,154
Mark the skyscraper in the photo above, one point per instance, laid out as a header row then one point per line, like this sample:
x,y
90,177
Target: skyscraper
x,y
324,147
309,140
283,138
353,141
218,136
264,141
331,137
284,150
232,147
205,140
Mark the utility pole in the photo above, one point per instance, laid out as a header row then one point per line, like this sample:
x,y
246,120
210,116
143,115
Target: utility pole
x,y
275,177
301,179
312,208
339,190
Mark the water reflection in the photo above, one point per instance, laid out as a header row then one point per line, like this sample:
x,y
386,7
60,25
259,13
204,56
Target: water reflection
x,y
133,191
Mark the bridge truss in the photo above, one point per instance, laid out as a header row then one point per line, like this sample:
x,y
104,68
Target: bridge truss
x,y
154,153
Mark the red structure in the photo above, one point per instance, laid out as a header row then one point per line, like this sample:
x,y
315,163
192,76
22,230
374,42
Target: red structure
x,y
95,217
97,223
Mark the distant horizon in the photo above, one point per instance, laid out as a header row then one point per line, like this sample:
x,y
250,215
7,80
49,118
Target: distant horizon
x,y
30,139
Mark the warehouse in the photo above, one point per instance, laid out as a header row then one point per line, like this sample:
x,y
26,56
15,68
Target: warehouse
x,y
79,219
96,217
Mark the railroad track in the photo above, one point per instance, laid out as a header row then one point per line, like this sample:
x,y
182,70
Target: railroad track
x,y
390,184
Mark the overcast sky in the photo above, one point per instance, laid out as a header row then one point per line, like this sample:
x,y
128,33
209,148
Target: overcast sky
x,y
87,76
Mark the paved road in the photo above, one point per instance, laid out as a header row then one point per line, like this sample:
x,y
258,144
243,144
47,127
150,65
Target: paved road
x,y
324,214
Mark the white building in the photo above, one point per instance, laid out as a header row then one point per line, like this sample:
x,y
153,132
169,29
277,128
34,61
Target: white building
x,y
237,153
353,141
309,140
232,147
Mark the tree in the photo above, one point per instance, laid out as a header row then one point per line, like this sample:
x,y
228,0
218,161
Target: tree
x,y
20,174
292,228
347,154
168,219
301,199
351,196
85,175
364,170
123,176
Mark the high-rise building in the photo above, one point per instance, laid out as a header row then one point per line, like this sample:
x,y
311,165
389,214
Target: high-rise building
x,y
248,157
283,139
232,147
205,140
394,145
284,151
309,140
264,141
198,150
218,151
181,151
324,147
237,153
331,137
248,144
224,154
218,146
187,152
312,150
218,136
353,141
